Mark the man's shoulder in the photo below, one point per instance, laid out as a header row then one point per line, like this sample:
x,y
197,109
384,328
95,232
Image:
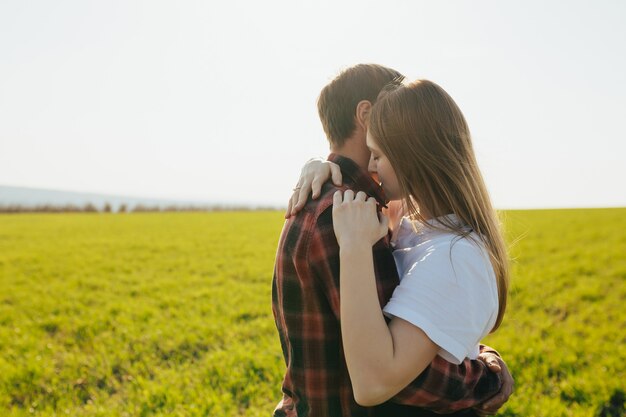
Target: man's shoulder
x,y
310,234
315,218
325,200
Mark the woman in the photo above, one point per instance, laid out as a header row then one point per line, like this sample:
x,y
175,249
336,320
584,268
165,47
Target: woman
x,y
448,247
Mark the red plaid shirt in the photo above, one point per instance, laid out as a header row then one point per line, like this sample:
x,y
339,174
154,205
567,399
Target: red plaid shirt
x,y
305,302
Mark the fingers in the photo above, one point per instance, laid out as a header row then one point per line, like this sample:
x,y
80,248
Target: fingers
x,y
494,403
303,194
360,196
491,360
293,200
298,199
321,176
494,366
355,219
312,176
316,186
336,199
288,212
348,196
335,173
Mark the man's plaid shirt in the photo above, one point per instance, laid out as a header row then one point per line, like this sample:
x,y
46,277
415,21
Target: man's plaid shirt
x,y
305,302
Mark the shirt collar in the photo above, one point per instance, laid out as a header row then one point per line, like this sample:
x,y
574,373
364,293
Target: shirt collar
x,y
359,178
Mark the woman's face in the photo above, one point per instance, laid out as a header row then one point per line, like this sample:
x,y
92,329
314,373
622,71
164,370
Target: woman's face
x,y
379,165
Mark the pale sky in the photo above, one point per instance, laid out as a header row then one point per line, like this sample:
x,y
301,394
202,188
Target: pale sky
x,y
216,101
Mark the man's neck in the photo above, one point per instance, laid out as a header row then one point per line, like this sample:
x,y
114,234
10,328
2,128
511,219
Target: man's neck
x,y
355,150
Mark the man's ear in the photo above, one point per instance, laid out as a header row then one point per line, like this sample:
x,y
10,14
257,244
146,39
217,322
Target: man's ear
x,y
363,109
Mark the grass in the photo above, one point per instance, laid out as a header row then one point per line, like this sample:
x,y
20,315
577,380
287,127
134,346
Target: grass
x,y
125,315
564,335
169,314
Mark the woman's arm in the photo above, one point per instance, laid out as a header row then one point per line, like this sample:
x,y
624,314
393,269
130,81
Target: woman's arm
x,y
382,359
313,175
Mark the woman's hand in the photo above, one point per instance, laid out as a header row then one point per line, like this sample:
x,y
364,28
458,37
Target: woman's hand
x,y
497,365
355,219
313,175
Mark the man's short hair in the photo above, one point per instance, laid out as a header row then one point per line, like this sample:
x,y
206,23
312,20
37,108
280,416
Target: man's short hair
x,y
338,100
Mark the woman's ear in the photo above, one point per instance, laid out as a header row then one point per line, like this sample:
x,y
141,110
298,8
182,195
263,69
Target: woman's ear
x,y
363,109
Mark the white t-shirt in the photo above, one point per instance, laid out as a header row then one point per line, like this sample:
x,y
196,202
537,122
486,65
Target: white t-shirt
x,y
447,288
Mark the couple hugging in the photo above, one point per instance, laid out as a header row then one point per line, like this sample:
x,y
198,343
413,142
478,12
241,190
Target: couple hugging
x,y
389,276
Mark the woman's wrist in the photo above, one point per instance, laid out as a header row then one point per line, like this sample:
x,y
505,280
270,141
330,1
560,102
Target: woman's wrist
x,y
357,254
354,248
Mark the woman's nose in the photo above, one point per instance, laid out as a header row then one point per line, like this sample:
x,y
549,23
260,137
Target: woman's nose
x,y
372,166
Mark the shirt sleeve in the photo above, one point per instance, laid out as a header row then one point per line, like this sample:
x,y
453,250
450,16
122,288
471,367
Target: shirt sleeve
x,y
450,293
445,387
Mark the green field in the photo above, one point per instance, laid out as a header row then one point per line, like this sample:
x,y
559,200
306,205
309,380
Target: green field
x,y
169,314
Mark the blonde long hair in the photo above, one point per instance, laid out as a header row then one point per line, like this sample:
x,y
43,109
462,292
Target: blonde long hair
x,y
424,135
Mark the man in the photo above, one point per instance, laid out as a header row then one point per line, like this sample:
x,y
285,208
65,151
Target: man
x,y
305,288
